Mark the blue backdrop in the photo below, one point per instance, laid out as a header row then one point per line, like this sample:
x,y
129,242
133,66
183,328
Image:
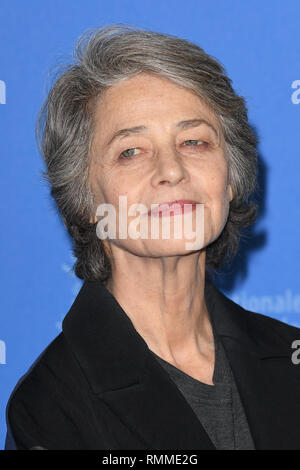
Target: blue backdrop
x,y
258,43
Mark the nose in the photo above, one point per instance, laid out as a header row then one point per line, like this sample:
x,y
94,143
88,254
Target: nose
x,y
170,168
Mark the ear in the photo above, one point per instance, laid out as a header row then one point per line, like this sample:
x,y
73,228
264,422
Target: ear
x,y
93,219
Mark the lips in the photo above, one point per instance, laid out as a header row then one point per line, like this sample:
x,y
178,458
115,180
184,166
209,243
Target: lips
x,y
181,206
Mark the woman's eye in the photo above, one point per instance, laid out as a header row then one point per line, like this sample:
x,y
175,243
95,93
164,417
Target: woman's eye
x,y
194,143
128,153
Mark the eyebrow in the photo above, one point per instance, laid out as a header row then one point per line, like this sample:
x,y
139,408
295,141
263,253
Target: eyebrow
x,y
187,124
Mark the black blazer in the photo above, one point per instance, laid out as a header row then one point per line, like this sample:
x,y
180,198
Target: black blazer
x,y
97,386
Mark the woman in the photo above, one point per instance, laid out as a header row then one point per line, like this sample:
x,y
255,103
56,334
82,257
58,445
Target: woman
x,y
152,355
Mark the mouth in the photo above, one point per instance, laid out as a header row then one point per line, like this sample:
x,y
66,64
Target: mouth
x,y
182,206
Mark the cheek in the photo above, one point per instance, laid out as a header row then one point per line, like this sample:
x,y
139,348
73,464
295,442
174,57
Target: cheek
x,y
122,183
221,198
223,207
111,196
103,186
216,183
217,192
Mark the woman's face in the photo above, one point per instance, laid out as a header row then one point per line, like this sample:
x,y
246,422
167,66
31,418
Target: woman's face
x,y
173,150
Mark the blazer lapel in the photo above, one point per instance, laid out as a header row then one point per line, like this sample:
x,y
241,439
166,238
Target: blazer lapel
x,y
156,411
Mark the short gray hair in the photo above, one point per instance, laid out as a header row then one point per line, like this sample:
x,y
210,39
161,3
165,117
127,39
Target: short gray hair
x,y
65,129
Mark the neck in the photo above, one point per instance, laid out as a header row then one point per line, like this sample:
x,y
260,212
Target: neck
x,y
164,299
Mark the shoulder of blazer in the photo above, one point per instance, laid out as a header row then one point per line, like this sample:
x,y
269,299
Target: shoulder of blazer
x,y
285,331
269,329
48,398
264,325
261,333
55,365
286,334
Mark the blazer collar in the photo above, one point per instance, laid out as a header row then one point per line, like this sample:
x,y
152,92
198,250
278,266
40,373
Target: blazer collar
x,y
118,366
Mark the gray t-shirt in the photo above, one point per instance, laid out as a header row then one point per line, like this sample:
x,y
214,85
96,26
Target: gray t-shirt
x,y
218,406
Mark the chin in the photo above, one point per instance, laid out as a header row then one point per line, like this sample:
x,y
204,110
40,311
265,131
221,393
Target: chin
x,y
171,248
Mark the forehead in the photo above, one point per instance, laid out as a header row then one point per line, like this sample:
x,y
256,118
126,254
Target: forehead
x,y
146,95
